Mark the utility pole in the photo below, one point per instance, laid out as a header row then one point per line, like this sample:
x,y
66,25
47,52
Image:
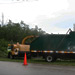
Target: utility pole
x,y
2,19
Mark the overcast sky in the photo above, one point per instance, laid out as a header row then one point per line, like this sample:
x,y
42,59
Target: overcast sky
x,y
53,16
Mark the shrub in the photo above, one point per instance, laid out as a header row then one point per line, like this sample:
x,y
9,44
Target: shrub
x,y
3,47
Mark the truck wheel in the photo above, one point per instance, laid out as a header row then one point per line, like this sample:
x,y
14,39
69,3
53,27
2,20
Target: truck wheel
x,y
10,55
49,58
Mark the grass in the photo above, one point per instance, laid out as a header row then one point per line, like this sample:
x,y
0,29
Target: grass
x,y
41,61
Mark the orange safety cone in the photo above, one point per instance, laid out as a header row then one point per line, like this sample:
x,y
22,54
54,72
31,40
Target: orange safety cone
x,y
25,60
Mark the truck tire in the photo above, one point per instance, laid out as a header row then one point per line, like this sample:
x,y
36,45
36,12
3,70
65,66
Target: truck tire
x,y
10,56
49,58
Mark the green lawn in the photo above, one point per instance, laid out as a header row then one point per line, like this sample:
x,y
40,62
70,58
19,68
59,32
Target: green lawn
x,y
41,61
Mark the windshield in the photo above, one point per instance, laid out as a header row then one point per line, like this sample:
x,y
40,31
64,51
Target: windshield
x,y
9,47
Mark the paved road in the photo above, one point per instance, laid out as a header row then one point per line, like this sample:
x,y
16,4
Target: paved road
x,y
14,68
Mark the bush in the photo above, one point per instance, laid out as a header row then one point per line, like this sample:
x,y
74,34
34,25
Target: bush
x,y
3,47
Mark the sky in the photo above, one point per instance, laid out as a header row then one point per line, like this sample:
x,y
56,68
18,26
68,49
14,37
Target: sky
x,y
52,16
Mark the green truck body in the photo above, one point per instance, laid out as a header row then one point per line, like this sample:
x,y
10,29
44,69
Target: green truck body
x,y
53,46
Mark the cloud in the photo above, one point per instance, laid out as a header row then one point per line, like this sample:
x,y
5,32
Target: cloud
x,y
53,16
58,21
58,24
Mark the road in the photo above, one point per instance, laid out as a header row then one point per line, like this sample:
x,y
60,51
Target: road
x,y
15,68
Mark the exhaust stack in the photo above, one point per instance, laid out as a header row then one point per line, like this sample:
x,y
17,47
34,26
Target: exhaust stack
x,y
73,27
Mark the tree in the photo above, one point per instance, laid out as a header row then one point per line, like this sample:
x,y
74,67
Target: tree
x,y
17,31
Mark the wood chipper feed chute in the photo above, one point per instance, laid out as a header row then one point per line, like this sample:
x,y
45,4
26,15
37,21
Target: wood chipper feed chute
x,y
24,47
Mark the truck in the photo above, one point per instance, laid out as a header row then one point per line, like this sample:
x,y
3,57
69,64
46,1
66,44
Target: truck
x,y
51,46
54,46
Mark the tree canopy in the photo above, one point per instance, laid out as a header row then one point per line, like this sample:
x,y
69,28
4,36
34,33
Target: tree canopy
x,y
17,31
